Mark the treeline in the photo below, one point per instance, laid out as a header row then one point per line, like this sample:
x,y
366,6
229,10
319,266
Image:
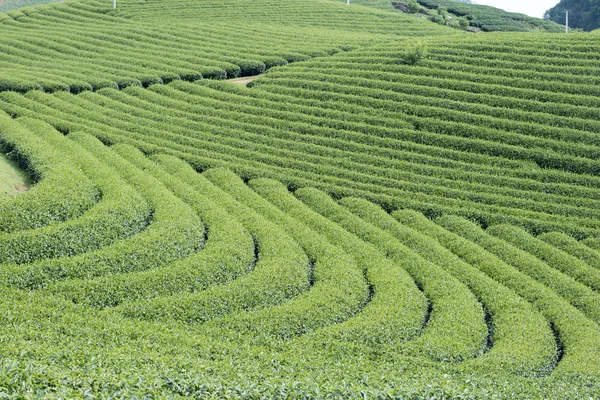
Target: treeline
x,y
491,19
583,14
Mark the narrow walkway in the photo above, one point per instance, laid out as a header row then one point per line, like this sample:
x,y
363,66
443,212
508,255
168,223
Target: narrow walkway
x,y
13,180
244,81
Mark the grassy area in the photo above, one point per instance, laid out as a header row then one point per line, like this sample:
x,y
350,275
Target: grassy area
x,y
13,180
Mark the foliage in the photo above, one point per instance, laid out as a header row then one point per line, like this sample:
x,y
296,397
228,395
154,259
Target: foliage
x,y
351,226
413,6
415,54
488,18
583,14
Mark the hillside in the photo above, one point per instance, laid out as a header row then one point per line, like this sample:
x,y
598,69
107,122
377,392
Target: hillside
x,y
392,209
583,14
491,19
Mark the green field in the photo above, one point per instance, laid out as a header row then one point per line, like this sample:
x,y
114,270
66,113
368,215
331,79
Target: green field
x,y
392,209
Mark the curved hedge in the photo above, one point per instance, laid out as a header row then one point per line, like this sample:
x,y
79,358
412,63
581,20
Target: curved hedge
x,y
455,330
573,247
174,232
53,199
338,289
279,256
396,310
577,333
120,213
519,339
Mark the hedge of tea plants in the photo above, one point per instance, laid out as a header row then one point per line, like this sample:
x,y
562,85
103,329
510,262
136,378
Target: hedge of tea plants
x,y
393,209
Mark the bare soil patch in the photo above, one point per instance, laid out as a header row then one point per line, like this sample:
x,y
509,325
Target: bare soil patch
x,y
21,188
13,180
243,81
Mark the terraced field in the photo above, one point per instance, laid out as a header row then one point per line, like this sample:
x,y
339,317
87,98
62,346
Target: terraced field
x,y
491,19
393,210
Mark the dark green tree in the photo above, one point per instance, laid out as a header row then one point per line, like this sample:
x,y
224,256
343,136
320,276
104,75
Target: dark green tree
x,y
583,14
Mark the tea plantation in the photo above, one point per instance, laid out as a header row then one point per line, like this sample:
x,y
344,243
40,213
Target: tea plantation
x,y
394,209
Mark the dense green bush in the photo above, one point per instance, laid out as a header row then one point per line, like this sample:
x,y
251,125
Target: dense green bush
x,y
338,288
573,247
174,232
555,258
279,256
228,253
575,331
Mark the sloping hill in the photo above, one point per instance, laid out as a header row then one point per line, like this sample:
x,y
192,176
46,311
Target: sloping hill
x,y
523,113
584,15
80,46
395,209
491,19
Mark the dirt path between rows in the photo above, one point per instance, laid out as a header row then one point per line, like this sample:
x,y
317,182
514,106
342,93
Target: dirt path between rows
x,y
13,179
243,81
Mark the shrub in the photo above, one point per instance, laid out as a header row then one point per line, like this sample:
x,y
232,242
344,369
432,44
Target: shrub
x,y
414,54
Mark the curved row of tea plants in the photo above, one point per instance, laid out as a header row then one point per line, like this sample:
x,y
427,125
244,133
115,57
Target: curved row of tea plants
x,y
181,239
475,141
84,45
342,315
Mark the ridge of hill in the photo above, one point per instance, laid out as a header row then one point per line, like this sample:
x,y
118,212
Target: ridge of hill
x,y
46,48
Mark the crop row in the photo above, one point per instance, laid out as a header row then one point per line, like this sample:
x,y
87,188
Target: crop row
x,y
519,339
396,310
459,119
53,52
360,296
280,273
455,329
174,232
576,332
210,141
229,252
324,14
300,102
52,199
120,213
170,131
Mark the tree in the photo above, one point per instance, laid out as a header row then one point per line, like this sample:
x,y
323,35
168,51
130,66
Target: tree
x,y
583,14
